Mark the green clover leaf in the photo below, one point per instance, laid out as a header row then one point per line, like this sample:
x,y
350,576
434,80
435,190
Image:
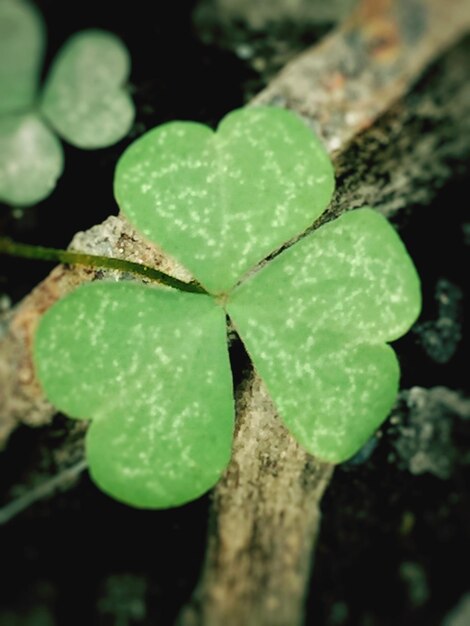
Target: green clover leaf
x,y
321,341
22,38
207,197
150,366
31,159
83,100
83,96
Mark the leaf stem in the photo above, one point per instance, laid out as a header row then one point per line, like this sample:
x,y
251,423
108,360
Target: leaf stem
x,y
41,253
42,490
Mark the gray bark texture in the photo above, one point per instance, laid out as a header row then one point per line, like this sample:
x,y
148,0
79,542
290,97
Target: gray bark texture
x,y
264,523
388,94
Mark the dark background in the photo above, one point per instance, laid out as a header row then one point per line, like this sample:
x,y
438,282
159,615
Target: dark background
x,y
393,548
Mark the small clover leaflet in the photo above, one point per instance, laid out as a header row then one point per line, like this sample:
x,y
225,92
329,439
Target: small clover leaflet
x,y
150,364
83,100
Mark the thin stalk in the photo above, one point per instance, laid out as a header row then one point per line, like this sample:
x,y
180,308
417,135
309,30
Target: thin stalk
x,y
42,490
41,253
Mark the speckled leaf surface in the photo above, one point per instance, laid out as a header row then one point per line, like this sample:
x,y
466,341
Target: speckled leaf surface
x,y
84,96
221,202
315,321
31,160
22,38
150,367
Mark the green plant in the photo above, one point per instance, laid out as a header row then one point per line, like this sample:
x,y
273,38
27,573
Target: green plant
x,y
82,100
149,364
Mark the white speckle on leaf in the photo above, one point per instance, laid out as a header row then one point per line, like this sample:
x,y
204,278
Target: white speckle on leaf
x,y
315,320
249,174
150,394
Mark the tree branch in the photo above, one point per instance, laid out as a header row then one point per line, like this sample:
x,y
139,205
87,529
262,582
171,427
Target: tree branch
x,y
264,523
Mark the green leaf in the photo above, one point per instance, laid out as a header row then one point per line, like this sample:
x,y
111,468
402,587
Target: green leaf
x,y
84,98
31,160
314,321
220,203
22,39
150,366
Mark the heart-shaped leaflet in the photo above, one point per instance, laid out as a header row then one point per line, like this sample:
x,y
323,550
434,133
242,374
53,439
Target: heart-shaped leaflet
x,y
221,202
84,98
315,321
22,38
150,367
31,159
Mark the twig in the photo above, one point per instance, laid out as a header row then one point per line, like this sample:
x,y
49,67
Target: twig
x,y
45,489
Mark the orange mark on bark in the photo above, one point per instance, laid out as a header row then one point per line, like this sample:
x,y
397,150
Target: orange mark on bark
x,y
335,82
370,10
379,28
383,39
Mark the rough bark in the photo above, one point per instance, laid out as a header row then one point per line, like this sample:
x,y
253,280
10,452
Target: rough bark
x,y
353,76
264,524
355,88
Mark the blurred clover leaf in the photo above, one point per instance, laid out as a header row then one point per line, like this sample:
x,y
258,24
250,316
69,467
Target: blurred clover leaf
x,y
83,100
149,365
